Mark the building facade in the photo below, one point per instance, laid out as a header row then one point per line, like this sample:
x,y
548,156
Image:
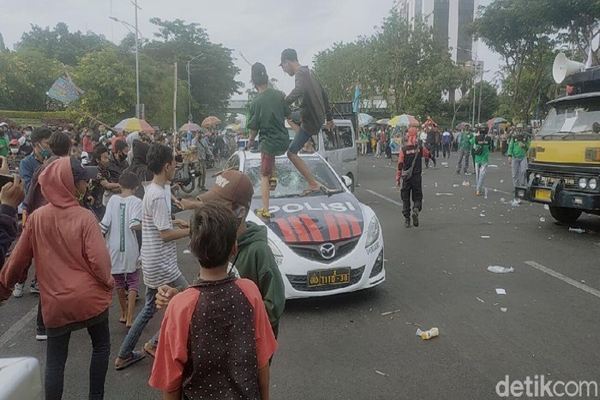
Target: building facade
x,y
450,19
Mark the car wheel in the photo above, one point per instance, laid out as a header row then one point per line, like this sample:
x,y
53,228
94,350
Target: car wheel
x,y
565,215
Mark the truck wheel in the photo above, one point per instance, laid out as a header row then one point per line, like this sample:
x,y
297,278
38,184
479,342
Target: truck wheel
x,y
565,215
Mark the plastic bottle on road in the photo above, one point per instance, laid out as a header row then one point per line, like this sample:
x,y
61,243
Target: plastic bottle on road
x,y
426,335
577,230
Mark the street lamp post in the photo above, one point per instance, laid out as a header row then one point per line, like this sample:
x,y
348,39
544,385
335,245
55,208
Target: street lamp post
x,y
190,86
136,32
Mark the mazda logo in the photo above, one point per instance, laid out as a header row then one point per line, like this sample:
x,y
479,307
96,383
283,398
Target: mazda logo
x,y
327,251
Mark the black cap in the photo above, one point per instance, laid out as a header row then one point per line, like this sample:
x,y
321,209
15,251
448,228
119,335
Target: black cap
x,y
259,74
81,173
288,55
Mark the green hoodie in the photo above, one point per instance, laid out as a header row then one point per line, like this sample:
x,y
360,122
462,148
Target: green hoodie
x,y
256,262
485,143
464,142
518,148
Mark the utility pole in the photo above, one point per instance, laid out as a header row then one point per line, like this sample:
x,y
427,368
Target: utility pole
x,y
480,70
175,99
137,63
189,92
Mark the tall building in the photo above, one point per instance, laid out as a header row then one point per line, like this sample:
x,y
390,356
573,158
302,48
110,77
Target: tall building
x,y
450,20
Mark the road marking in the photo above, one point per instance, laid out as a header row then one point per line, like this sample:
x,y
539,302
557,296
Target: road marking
x,y
18,327
384,197
566,279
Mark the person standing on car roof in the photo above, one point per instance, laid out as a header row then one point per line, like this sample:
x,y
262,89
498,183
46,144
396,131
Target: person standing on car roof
x,y
267,115
408,177
314,110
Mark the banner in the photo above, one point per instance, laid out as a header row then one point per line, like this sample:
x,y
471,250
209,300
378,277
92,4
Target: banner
x,y
64,90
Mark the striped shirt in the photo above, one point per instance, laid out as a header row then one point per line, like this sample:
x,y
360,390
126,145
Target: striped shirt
x,y
159,258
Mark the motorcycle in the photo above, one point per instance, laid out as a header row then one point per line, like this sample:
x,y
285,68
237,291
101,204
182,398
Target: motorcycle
x,y
185,174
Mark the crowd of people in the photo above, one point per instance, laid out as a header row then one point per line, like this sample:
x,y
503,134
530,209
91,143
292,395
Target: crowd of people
x,y
471,144
99,218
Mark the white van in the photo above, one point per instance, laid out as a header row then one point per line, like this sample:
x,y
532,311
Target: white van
x,y
338,147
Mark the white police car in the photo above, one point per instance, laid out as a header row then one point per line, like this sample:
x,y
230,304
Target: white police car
x,y
323,244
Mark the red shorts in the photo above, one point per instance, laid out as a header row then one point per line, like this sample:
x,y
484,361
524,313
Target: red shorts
x,y
267,163
129,281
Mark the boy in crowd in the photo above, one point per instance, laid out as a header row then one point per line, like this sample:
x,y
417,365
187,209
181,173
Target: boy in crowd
x,y
123,216
267,114
228,354
254,259
481,145
102,182
159,250
517,156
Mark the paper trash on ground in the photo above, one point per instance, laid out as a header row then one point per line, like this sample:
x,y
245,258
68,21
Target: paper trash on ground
x,y
497,269
500,291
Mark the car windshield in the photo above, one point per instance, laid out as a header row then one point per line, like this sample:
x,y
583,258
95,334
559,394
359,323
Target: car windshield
x,y
572,120
290,183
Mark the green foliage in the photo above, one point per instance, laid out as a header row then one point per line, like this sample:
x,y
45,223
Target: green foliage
x,y
25,77
61,44
401,63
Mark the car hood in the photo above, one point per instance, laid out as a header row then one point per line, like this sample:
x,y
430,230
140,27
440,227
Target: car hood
x,y
315,219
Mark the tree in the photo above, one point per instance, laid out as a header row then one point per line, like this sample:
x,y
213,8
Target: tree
x,y
515,30
25,77
61,44
212,74
2,46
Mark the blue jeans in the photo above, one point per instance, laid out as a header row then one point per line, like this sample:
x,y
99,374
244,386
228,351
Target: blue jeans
x,y
144,316
299,141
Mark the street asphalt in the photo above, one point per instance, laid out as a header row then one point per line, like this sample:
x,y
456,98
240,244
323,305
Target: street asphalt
x,y
363,345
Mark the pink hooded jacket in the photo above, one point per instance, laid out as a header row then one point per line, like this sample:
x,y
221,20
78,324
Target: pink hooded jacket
x,y
71,259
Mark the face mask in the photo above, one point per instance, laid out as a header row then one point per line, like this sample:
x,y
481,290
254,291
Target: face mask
x,y
45,153
14,150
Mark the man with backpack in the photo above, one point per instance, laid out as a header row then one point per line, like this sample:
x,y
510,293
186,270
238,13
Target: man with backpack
x,y
408,177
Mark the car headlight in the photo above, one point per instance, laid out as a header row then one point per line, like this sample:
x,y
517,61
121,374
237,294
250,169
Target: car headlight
x,y
593,183
583,183
276,252
372,231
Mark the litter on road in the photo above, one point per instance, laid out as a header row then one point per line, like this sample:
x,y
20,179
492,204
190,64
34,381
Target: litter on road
x,y
500,291
383,314
480,300
503,309
542,219
430,334
577,230
497,269
444,194
187,252
485,237
380,373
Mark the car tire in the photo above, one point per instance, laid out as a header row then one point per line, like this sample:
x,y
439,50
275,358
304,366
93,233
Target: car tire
x,y
353,186
565,215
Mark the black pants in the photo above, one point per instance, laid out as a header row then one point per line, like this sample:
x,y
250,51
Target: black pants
x,y
41,328
56,357
411,188
446,150
432,156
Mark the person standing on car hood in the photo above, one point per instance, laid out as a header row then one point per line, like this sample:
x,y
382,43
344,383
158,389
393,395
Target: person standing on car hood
x,y
314,110
267,115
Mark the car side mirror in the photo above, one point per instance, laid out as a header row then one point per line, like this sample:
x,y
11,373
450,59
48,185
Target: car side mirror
x,y
347,181
596,127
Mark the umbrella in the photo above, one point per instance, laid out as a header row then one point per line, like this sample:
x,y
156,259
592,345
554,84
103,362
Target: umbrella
x,y
384,121
496,121
463,125
365,119
403,120
429,123
210,122
133,125
190,127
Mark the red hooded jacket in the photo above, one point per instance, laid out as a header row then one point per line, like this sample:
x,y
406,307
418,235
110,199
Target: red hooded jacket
x,y
71,259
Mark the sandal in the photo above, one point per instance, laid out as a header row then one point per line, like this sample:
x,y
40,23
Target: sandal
x,y
263,213
135,357
149,349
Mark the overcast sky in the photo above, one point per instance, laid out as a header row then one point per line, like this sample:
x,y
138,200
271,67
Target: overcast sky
x,y
259,29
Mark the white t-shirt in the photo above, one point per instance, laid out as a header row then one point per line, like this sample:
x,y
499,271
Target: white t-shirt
x,y
122,214
159,258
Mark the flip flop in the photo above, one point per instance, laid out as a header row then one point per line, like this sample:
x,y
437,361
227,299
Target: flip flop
x,y
149,350
135,357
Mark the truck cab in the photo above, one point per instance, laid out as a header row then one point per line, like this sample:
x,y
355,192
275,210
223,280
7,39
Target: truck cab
x,y
564,156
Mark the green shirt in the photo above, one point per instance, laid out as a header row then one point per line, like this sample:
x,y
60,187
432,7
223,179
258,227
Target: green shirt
x,y
3,146
485,142
518,148
267,115
464,143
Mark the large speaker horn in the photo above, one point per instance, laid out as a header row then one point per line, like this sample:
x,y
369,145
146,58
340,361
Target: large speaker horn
x,y
564,67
